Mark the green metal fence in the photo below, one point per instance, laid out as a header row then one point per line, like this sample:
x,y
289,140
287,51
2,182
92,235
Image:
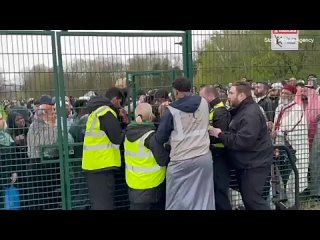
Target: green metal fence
x,y
98,61
225,56
33,63
28,63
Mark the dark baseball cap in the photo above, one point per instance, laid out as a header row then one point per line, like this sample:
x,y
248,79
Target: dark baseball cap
x,y
46,99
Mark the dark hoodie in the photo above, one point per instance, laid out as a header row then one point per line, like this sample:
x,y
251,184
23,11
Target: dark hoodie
x,y
13,130
188,104
24,112
108,123
136,131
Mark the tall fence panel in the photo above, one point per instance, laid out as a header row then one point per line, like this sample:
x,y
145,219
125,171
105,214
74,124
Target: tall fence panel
x,y
41,146
97,61
31,156
225,56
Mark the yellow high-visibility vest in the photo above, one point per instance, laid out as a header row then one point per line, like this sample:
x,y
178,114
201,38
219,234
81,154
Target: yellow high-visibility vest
x,y
142,170
98,151
211,116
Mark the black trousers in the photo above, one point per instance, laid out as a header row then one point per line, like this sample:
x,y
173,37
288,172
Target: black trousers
x,y
221,182
148,199
252,185
147,206
101,189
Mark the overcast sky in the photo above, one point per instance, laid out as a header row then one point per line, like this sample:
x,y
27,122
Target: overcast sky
x,y
19,53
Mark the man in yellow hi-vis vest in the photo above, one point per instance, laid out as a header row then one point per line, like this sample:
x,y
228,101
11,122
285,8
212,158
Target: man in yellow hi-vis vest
x,y
219,117
145,162
101,154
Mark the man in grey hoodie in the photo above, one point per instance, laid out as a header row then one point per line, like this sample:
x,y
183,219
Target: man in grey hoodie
x,y
189,178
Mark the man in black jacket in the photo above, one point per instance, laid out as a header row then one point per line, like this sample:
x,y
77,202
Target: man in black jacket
x,y
249,146
219,118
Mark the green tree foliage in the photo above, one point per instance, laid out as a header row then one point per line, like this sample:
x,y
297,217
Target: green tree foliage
x,y
37,81
229,55
82,75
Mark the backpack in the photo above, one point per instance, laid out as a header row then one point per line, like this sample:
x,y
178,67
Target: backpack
x,y
12,198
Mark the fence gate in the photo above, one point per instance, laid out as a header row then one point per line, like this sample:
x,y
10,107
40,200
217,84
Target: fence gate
x,y
149,82
96,62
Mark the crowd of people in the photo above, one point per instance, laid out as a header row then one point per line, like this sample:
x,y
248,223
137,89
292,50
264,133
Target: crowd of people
x,y
182,150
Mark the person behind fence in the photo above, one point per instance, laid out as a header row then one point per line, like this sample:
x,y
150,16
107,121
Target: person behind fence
x,y
160,96
274,94
314,184
291,129
261,91
18,129
219,117
77,131
101,153
146,162
44,178
292,81
7,160
249,146
189,178
309,100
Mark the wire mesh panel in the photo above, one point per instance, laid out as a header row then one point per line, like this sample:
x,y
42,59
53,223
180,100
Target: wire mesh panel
x,y
224,56
90,64
30,154
153,87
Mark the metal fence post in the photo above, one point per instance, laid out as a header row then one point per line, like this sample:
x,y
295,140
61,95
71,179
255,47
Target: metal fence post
x,y
187,55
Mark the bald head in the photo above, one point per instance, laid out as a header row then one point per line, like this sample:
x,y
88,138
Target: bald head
x,y
209,93
144,112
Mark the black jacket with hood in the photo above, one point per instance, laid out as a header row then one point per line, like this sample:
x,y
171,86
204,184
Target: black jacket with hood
x,y
134,132
247,141
108,123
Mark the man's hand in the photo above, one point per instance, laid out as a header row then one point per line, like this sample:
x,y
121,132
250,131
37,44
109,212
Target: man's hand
x,y
270,125
123,113
19,139
163,107
215,132
273,134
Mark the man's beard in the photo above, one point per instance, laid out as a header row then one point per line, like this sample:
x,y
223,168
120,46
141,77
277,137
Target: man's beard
x,y
258,95
285,101
234,104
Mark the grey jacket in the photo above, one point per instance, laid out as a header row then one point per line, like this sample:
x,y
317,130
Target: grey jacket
x,y
41,134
